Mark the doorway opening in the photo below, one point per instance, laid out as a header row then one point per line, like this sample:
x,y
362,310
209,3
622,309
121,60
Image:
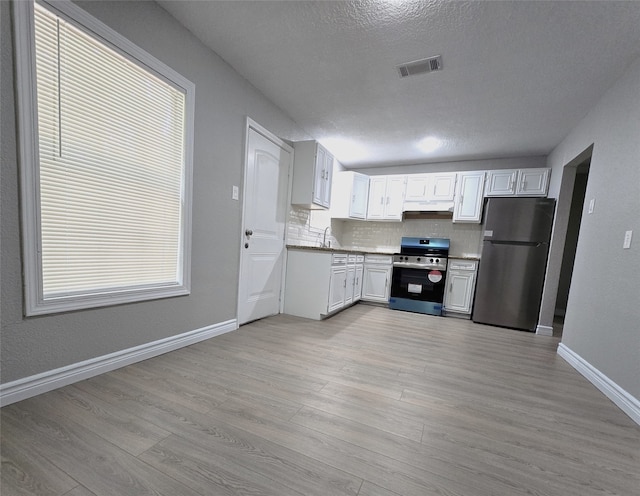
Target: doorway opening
x,y
576,209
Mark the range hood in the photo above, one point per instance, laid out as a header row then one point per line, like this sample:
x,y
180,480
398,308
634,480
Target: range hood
x,y
440,206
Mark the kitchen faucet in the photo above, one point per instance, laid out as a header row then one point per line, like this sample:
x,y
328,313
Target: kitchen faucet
x,y
324,238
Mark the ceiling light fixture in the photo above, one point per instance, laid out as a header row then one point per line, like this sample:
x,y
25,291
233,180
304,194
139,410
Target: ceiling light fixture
x,y
429,144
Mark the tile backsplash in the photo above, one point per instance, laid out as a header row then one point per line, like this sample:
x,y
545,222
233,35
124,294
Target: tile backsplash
x,y
306,228
465,239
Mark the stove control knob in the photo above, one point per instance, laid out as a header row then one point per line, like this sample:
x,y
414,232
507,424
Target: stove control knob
x,y
418,259
431,260
437,260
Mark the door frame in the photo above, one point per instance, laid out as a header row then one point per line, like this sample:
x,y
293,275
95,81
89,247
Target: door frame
x,y
251,124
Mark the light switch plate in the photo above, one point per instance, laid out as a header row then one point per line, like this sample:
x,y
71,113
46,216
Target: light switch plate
x,y
592,204
627,240
235,193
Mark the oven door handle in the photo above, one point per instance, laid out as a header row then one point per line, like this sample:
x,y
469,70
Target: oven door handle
x,y
410,265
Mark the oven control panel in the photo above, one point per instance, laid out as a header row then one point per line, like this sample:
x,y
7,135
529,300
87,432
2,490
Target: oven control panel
x,y
420,262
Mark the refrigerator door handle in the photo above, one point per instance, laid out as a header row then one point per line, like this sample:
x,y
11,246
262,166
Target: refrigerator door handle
x,y
535,244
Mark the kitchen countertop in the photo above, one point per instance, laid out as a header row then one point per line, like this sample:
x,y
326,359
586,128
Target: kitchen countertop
x,y
377,252
336,250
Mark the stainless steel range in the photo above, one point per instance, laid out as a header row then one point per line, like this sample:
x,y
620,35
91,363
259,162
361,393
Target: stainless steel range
x,y
419,275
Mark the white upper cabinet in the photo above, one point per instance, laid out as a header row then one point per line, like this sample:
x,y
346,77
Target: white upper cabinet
x,y
501,182
469,199
430,187
312,174
417,186
349,195
443,187
395,197
517,182
533,182
377,195
386,197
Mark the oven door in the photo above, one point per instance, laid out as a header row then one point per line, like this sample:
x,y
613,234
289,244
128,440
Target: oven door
x,y
417,290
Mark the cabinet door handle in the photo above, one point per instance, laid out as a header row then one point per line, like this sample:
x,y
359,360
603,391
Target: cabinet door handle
x,y
450,287
388,200
382,200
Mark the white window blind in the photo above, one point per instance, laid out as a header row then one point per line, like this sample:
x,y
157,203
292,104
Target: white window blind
x,y
112,138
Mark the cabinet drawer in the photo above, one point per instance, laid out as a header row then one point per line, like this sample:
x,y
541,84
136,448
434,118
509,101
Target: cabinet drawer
x,y
378,259
339,259
360,259
352,259
462,265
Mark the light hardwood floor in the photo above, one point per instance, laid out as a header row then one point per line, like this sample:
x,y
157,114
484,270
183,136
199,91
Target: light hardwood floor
x,y
371,402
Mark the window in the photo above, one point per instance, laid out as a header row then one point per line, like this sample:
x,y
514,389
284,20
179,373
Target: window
x,y
105,152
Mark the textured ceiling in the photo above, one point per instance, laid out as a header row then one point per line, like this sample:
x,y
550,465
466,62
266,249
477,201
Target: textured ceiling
x,y
517,75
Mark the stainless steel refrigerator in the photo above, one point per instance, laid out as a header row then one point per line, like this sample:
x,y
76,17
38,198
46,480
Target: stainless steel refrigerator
x,y
513,261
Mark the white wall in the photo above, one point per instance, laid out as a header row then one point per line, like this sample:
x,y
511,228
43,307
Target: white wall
x,y
602,323
223,101
463,165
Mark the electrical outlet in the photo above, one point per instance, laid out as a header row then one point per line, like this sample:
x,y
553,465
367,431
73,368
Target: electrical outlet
x,y
627,240
592,205
235,193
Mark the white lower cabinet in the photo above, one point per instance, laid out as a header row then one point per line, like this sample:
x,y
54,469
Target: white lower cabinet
x,y
319,283
461,284
377,278
337,287
357,285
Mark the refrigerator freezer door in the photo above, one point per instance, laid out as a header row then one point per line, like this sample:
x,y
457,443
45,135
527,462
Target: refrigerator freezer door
x,y
519,219
509,285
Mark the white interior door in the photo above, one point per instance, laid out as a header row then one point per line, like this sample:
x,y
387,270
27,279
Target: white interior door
x,y
263,231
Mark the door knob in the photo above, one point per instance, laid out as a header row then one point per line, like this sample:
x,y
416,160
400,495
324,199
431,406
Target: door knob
x,y
248,232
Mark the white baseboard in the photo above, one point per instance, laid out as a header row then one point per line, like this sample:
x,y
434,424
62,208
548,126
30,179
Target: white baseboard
x,y
627,403
27,387
544,330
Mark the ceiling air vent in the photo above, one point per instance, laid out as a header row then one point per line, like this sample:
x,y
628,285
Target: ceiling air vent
x,y
420,66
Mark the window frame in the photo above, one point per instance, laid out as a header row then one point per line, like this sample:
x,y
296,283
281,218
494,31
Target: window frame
x,y
28,147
